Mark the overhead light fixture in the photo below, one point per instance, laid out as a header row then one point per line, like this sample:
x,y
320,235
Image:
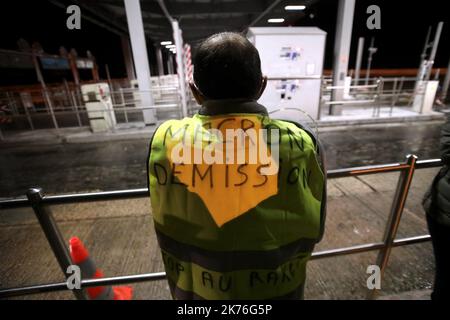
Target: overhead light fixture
x,y
170,46
294,8
275,20
165,43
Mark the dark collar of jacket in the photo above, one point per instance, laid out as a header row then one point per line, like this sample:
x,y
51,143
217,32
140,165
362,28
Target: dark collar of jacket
x,y
218,107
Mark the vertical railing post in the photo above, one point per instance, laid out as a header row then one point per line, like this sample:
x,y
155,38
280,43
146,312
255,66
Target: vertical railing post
x,y
380,94
122,96
52,233
398,204
27,114
111,113
376,97
394,91
77,112
49,104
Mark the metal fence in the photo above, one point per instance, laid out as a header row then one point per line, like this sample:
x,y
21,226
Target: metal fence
x,y
380,92
41,206
57,106
62,105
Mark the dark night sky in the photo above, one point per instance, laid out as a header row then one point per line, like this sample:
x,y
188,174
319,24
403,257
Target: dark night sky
x,y
44,22
404,26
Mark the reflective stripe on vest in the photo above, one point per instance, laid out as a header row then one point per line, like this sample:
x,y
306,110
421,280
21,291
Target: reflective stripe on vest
x,y
225,230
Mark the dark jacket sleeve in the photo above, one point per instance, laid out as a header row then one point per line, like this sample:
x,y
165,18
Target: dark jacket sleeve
x,y
445,142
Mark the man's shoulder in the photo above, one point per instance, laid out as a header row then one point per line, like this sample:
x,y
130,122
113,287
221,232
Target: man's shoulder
x,y
171,125
290,127
174,122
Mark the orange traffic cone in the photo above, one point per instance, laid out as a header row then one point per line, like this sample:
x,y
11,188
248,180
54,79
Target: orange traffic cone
x,y
80,257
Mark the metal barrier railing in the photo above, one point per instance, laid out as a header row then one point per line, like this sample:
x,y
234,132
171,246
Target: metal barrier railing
x,y
371,95
40,205
66,105
63,105
375,95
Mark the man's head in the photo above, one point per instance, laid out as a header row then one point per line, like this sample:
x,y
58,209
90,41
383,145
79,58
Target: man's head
x,y
227,66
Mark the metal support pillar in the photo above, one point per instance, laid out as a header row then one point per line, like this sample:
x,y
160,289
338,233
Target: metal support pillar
x,y
74,69
45,93
139,48
359,59
372,50
425,47
445,84
110,83
437,36
159,61
342,50
170,64
127,55
180,64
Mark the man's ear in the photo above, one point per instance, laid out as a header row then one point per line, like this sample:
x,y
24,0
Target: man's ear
x,y
263,87
197,94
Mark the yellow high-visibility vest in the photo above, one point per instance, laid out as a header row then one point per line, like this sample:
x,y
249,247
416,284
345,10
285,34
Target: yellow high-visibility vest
x,y
226,230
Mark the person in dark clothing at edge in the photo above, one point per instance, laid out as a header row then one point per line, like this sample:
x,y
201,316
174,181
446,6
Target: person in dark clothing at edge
x,y
231,230
437,207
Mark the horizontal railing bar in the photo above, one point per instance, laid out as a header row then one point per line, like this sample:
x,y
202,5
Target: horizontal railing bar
x,y
411,240
96,196
14,203
368,247
358,171
52,287
153,89
347,250
60,113
294,78
78,197
350,102
61,286
429,163
353,87
138,101
143,192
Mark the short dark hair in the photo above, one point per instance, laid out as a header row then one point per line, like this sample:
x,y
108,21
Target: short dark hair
x,y
227,66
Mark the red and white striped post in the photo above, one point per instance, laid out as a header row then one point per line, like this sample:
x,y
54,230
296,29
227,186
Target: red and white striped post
x,y
187,62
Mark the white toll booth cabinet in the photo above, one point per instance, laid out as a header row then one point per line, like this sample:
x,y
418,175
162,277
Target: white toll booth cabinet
x,y
97,99
292,59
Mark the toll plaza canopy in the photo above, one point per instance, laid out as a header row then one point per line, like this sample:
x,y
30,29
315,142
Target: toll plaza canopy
x,y
198,18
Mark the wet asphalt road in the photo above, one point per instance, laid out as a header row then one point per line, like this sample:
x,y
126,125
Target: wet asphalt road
x,y
65,168
380,145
